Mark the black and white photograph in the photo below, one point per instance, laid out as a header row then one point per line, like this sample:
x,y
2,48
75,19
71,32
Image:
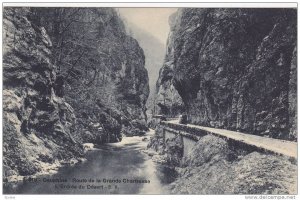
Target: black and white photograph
x,y
105,100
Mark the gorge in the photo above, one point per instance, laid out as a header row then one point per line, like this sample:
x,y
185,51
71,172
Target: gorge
x,y
80,101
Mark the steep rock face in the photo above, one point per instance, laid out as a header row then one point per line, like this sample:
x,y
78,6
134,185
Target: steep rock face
x,y
37,124
154,52
102,69
168,101
235,68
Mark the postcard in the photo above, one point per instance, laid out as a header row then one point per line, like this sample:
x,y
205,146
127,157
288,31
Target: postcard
x,y
190,100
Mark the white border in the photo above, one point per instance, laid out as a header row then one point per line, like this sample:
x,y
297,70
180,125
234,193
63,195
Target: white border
x,y
149,4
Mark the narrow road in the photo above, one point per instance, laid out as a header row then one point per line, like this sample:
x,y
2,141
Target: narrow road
x,y
283,147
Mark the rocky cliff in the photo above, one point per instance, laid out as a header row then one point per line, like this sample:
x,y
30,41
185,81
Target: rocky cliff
x,y
168,101
154,56
37,122
236,68
82,56
102,69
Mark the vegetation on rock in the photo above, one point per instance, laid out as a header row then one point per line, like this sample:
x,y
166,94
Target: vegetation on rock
x,y
71,76
38,124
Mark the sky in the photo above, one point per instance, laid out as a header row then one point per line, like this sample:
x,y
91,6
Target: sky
x,y
152,20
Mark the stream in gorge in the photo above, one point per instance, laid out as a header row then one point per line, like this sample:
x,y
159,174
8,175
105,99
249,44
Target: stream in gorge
x,y
115,168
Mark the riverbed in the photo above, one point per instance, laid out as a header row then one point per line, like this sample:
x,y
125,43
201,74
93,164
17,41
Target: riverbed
x,y
115,168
